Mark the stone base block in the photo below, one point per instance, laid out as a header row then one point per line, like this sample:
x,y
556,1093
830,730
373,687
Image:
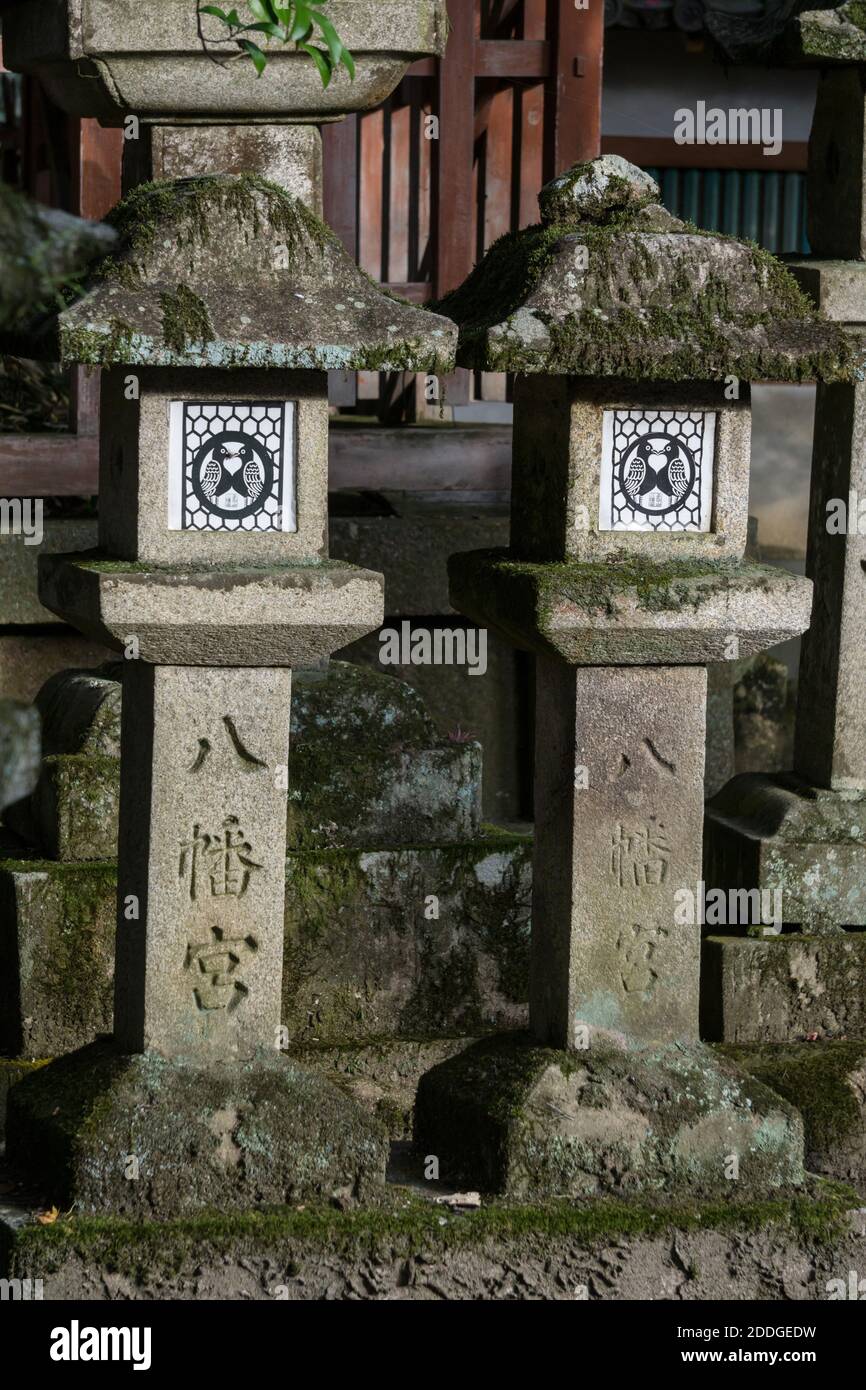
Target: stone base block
x,y
827,1084
783,989
634,613
283,615
73,812
510,1117
382,1075
57,925
779,833
838,288
792,1247
141,1137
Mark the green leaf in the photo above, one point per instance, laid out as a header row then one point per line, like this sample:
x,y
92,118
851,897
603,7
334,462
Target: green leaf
x,y
259,60
215,10
348,63
303,22
321,61
330,35
260,10
273,31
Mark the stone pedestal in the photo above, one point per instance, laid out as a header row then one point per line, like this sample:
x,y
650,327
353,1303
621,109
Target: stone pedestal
x,y
607,1105
619,762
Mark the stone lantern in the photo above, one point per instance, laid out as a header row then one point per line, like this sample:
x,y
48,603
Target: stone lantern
x,y
634,339
215,322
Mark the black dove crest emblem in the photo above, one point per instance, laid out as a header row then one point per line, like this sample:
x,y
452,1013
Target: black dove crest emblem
x,y
232,468
657,473
233,475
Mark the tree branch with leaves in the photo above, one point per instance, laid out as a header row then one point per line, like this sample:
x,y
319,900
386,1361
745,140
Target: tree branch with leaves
x,y
296,23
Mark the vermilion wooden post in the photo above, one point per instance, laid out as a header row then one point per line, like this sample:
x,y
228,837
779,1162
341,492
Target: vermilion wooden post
x,y
453,166
340,195
573,124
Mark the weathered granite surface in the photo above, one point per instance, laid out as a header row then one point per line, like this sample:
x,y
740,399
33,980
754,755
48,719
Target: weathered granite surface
x,y
19,602
511,1117
57,924
355,964
826,1081
233,271
144,1135
777,832
234,615
201,860
19,750
783,988
837,287
98,60
619,763
290,156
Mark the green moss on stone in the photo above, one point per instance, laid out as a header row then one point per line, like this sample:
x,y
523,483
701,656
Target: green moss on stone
x,y
185,319
693,335
408,1224
814,1077
597,587
198,208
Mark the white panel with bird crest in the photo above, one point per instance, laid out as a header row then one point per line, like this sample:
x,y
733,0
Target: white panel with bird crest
x,y
232,466
657,470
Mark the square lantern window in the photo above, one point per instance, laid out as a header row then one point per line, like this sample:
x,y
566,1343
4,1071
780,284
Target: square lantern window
x,y
232,466
607,469
212,467
657,470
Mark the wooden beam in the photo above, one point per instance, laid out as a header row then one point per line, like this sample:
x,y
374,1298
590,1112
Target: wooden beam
x,y
340,167
453,168
455,150
574,93
49,465
423,458
663,153
512,58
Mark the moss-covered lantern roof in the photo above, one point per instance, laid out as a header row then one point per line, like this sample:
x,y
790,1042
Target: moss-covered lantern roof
x,y
609,284
233,271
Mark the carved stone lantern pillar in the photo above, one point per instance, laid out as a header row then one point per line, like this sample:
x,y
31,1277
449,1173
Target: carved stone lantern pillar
x,y
215,323
634,339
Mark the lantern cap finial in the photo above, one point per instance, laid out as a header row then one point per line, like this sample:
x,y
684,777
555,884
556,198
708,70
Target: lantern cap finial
x,y
595,190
